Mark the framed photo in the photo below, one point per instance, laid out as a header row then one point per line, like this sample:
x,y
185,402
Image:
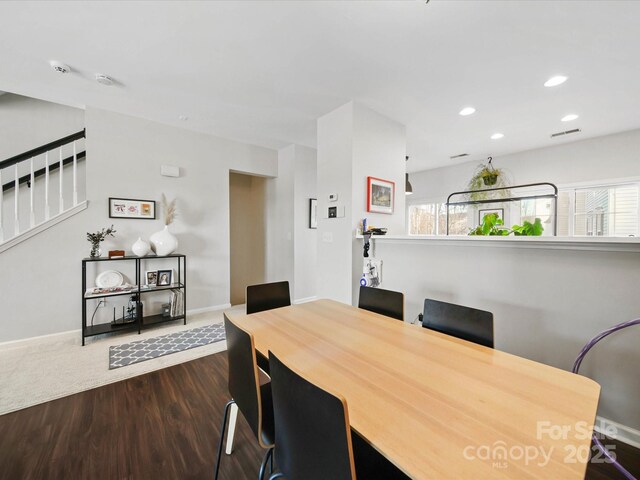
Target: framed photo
x,y
497,211
131,208
164,278
380,195
313,213
152,277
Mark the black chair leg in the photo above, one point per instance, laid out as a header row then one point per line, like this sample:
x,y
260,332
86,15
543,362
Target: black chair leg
x,y
222,430
263,465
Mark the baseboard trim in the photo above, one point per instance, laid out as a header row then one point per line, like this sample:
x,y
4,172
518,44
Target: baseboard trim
x,y
75,335
624,434
305,300
25,342
213,308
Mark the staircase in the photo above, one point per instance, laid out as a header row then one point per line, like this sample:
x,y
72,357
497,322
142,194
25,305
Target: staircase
x,y
40,188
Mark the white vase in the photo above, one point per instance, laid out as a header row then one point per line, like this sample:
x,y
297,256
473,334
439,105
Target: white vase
x,y
163,242
140,248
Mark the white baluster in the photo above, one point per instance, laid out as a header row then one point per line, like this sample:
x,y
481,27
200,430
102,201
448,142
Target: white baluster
x,y
16,214
60,175
47,209
1,207
32,215
75,175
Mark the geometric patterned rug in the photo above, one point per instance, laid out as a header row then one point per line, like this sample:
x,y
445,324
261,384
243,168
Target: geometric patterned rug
x,y
135,352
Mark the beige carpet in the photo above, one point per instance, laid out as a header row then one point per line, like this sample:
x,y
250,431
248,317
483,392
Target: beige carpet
x,y
54,367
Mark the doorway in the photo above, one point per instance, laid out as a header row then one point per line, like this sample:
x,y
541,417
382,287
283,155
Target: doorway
x,y
247,198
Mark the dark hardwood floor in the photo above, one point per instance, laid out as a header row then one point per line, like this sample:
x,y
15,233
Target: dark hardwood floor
x,y
162,425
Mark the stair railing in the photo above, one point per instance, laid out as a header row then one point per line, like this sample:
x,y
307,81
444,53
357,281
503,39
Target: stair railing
x,y
14,165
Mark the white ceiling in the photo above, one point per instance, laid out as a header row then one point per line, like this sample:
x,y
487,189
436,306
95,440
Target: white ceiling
x,y
263,72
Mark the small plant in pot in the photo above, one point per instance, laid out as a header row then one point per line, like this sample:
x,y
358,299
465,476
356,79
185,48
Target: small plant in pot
x,y
487,176
96,238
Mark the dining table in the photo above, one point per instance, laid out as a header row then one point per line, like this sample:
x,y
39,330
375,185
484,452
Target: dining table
x,y
436,406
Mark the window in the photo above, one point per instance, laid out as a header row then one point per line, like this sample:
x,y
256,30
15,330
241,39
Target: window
x,y
607,211
431,219
603,211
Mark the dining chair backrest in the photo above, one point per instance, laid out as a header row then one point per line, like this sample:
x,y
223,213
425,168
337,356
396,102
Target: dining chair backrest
x,y
267,296
459,321
384,302
313,436
244,385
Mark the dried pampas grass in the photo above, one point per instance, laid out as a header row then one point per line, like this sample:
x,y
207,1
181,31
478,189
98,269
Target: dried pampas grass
x,y
169,209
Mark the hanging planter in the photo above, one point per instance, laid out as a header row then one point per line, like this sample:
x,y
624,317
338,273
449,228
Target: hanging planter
x,y
487,176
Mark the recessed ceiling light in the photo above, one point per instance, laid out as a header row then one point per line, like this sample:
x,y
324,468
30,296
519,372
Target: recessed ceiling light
x,y
555,81
568,118
103,79
59,67
497,136
467,111
184,118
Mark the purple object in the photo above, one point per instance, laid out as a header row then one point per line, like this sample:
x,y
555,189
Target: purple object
x,y
576,367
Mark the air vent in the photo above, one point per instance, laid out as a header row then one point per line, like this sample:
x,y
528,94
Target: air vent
x,y
566,132
459,156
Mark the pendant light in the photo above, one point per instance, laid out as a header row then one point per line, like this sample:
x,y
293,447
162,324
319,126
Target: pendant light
x,y
408,189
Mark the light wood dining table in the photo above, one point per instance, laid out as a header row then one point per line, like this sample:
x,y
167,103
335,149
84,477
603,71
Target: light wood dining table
x,y
435,406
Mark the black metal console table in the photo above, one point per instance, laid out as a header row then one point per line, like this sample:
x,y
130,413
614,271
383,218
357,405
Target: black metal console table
x,y
138,290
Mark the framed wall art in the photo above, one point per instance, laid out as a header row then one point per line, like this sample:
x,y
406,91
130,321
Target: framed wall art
x,y
380,195
132,208
498,211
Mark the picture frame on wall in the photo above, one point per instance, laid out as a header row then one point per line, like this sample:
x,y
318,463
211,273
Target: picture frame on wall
x,y
132,208
313,213
482,213
380,195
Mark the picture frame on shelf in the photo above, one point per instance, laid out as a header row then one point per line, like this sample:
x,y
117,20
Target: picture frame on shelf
x,y
152,277
380,195
132,208
164,278
483,213
313,213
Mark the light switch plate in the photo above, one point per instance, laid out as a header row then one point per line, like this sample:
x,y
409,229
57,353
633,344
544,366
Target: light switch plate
x,y
327,237
169,171
333,197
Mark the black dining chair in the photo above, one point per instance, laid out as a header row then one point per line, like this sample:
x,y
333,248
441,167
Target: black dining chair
x,y
384,302
252,399
267,296
313,437
459,321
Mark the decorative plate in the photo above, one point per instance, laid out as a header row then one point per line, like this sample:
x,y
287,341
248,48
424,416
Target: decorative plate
x,y
109,279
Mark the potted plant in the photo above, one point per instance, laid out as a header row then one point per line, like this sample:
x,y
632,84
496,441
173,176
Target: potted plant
x,y
486,175
492,225
97,238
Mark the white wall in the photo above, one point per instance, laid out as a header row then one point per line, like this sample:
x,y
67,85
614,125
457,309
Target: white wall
x,y
335,151
305,239
609,157
40,281
280,221
354,142
27,123
291,244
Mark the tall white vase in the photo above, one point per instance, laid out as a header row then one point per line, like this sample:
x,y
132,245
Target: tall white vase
x,y
140,248
163,242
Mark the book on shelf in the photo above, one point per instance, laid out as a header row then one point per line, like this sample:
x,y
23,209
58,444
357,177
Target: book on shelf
x,y
177,303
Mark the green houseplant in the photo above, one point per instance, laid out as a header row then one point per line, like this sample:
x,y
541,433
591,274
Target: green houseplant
x,y
492,225
487,176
